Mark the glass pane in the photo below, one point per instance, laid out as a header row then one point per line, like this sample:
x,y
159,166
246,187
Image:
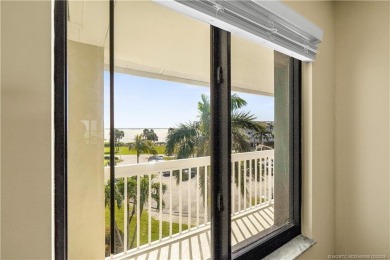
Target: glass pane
x,y
260,141
162,131
87,43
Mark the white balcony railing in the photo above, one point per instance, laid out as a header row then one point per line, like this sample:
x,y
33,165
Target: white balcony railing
x,y
186,199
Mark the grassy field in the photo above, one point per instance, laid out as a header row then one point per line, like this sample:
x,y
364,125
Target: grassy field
x,y
125,150
143,226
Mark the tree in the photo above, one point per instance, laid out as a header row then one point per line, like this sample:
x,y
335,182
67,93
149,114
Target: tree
x,y
265,133
118,135
144,195
150,135
142,145
193,139
118,198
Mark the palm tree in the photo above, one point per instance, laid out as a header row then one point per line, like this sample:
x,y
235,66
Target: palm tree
x,y
193,139
265,133
150,135
262,134
118,135
118,199
142,145
144,195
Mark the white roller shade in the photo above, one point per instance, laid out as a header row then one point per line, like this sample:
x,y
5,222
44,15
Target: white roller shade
x,y
269,23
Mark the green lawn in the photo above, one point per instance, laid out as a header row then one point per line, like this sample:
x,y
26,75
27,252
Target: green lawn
x,y
125,150
143,226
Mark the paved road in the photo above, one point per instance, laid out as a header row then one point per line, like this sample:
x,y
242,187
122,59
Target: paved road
x,y
132,159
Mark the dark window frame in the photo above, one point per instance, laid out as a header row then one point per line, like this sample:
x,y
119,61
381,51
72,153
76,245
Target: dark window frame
x,y
220,155
60,131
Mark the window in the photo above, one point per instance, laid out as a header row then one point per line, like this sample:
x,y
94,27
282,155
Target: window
x,y
202,155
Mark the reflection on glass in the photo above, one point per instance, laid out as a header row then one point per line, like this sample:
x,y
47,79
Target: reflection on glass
x,y
86,44
260,146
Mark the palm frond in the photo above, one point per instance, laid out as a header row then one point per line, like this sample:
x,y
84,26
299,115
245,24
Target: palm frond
x,y
244,120
204,114
182,140
240,142
237,102
193,139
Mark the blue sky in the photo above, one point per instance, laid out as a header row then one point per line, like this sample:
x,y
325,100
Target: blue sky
x,y
152,103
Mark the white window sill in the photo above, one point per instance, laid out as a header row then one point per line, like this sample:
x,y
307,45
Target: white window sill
x,y
292,249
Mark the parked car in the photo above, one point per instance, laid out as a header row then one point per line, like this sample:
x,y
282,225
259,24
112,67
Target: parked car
x,y
193,172
155,158
184,174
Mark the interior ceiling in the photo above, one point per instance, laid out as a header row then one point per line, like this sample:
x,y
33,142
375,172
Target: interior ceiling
x,y
154,41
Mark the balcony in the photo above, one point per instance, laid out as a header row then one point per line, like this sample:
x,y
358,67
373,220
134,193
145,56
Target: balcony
x,y
176,217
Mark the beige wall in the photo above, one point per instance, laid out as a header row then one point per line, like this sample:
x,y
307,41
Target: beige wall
x,y
85,151
318,133
0,128
26,174
362,128
346,130
247,59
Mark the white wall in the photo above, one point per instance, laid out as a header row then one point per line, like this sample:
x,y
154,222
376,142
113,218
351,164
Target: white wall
x,y
362,128
26,116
